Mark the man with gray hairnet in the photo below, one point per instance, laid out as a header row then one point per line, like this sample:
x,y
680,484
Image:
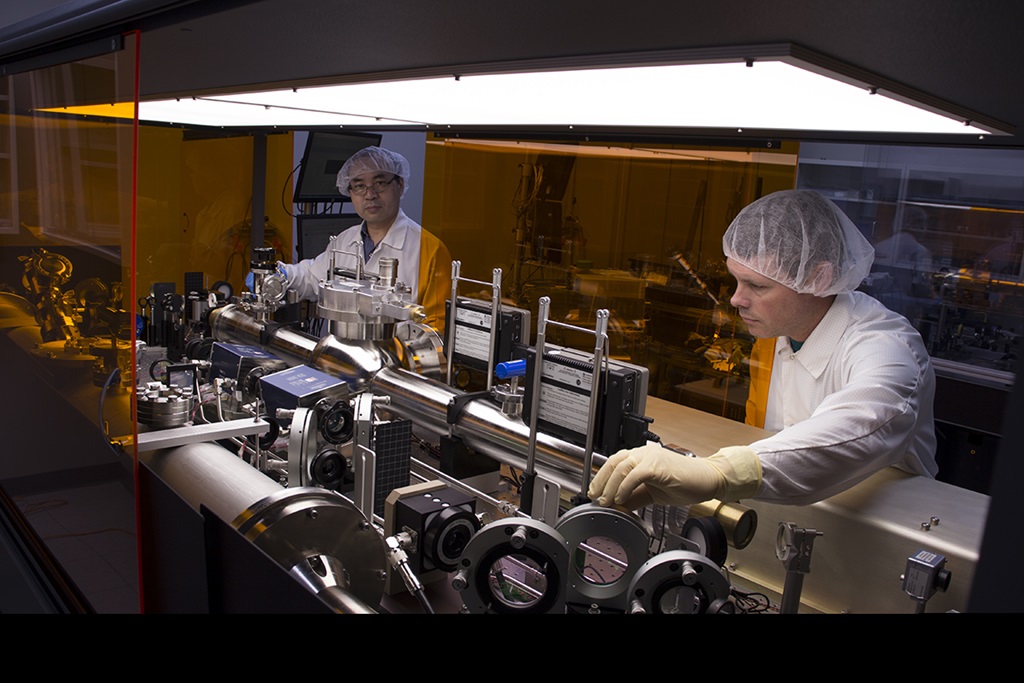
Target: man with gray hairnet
x,y
376,179
846,384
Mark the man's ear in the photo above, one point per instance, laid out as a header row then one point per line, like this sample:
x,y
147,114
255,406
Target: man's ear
x,y
822,277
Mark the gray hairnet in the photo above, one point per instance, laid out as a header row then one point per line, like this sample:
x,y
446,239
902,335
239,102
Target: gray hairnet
x,y
801,240
373,160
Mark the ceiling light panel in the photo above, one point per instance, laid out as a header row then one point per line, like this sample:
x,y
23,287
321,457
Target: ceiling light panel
x,y
769,95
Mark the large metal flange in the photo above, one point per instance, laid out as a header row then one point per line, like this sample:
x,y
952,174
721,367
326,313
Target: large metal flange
x,y
679,582
299,525
514,566
606,548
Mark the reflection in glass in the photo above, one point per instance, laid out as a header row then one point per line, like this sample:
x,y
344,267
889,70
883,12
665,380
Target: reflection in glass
x,y
517,581
600,560
67,328
629,228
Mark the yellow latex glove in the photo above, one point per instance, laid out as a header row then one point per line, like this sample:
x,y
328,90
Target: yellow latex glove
x,y
637,477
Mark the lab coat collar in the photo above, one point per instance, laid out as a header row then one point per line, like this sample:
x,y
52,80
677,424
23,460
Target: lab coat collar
x,y
396,235
816,352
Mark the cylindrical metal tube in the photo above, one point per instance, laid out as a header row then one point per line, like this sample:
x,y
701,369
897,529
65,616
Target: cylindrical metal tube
x,y
290,525
388,272
232,324
481,424
739,521
354,361
208,474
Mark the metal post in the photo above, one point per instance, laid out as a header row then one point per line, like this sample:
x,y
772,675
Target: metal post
x,y
456,266
529,475
601,332
495,312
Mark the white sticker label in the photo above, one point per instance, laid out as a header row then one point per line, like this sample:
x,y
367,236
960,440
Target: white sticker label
x,y
563,407
574,377
471,343
465,315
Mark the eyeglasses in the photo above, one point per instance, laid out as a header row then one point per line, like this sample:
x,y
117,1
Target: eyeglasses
x,y
377,185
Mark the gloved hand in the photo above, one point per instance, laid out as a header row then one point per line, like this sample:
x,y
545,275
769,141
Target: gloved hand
x,y
250,279
637,477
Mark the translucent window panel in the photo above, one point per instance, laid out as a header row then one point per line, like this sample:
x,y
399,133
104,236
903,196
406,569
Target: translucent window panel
x,y
630,228
948,231
948,228
195,206
67,324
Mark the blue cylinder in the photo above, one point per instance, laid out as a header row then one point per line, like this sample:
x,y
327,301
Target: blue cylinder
x,y
512,368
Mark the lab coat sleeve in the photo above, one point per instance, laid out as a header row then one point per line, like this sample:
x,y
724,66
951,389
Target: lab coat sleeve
x,y
863,427
305,276
435,279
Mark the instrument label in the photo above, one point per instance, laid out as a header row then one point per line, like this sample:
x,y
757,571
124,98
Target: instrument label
x,y
471,342
566,408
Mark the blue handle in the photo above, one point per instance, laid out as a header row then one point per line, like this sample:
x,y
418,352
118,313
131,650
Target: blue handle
x,y
512,368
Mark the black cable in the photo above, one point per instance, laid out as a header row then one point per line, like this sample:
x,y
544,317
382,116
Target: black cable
x,y
750,602
284,187
424,602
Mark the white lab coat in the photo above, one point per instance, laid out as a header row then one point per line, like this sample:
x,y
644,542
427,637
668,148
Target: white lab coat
x,y
402,242
856,397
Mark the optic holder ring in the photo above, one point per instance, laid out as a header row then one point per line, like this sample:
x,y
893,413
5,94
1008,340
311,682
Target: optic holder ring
x,y
513,542
680,575
589,522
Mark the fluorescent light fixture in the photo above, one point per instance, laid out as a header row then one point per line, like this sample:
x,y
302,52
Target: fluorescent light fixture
x,y
771,88
767,95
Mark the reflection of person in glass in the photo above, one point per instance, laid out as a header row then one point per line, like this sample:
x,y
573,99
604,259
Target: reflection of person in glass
x,y
222,190
846,384
901,249
376,179
902,274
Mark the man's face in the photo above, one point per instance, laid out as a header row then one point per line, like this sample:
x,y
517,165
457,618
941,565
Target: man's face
x,y
771,309
377,207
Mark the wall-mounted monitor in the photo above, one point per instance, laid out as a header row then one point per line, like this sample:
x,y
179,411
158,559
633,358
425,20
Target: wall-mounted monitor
x,y
316,230
326,152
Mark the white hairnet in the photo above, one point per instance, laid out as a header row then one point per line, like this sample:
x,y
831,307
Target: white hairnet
x,y
373,160
801,240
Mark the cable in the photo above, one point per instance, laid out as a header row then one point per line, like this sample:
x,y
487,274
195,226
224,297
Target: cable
x,y
749,602
284,187
116,372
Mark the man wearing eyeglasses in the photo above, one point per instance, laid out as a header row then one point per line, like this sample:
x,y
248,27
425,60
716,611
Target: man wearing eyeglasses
x,y
376,180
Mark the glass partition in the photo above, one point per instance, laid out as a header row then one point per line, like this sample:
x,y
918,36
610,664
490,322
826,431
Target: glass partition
x,y
633,229
948,231
637,230
67,329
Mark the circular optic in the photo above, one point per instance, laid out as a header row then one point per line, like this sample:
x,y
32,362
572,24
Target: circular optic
x,y
336,423
327,468
709,536
600,560
224,288
515,566
447,536
274,287
681,600
517,581
267,439
678,582
606,548
784,541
